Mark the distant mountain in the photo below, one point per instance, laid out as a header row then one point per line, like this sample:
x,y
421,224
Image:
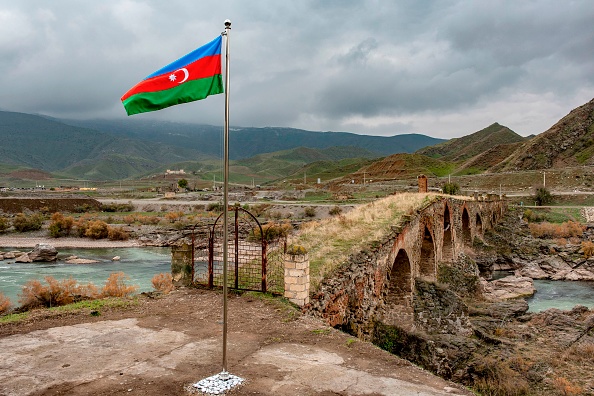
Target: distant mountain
x,y
466,147
246,142
570,142
49,145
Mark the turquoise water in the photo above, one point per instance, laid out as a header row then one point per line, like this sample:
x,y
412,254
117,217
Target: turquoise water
x,y
140,264
561,294
556,294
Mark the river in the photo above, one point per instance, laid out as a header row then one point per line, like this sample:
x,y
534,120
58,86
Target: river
x,y
557,294
561,294
140,264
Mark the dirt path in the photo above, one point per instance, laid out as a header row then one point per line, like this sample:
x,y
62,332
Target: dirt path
x,y
160,346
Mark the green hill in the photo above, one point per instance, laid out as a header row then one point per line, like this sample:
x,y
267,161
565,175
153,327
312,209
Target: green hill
x,y
466,147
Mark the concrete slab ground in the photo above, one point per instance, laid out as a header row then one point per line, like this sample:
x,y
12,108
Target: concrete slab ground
x,y
160,346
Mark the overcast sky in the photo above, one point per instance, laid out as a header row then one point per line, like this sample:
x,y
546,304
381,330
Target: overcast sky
x,y
440,68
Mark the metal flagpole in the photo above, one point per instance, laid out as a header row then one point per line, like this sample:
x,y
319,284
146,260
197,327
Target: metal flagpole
x,y
224,381
226,195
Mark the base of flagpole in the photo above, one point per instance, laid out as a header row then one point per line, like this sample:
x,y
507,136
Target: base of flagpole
x,y
218,384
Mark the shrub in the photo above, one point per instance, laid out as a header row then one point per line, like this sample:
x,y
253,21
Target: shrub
x,y
116,286
182,183
97,229
542,196
34,294
3,224
259,209
309,211
174,216
296,250
60,225
5,304
163,282
81,226
271,231
214,207
23,223
451,188
588,248
336,210
148,219
84,208
117,234
117,207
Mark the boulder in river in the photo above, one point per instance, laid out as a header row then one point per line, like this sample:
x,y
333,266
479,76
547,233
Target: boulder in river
x,y
43,252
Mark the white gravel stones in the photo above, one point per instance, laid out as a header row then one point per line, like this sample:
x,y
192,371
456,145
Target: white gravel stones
x,y
218,384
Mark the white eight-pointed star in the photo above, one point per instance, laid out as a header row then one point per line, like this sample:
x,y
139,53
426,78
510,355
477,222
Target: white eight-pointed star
x,y
172,77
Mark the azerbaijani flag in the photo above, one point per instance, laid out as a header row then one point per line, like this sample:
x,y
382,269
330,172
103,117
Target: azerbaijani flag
x,y
192,77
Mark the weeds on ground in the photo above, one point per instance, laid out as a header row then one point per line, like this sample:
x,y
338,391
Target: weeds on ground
x,y
14,317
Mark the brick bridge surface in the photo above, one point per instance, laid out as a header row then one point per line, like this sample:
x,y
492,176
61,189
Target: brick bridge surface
x,y
378,283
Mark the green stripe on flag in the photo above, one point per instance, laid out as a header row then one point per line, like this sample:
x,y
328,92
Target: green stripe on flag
x,y
184,93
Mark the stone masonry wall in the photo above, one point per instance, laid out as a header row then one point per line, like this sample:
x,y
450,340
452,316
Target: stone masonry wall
x,y
356,294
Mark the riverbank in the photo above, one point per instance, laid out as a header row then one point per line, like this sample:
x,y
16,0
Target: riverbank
x,y
10,241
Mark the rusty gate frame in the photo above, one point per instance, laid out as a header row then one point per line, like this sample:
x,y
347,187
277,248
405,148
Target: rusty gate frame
x,y
261,243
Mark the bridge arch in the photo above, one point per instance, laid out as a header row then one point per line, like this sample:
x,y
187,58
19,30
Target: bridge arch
x,y
427,258
478,225
400,279
466,235
447,249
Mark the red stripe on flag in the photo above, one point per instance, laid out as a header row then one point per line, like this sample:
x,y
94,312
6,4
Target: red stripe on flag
x,y
204,67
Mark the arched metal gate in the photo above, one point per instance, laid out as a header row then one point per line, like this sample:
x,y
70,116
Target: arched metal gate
x,y
254,263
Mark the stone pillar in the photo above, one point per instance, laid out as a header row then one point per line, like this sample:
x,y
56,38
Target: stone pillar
x,y
181,265
297,278
422,180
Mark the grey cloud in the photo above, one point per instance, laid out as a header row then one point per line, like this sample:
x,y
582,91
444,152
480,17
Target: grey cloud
x,y
304,64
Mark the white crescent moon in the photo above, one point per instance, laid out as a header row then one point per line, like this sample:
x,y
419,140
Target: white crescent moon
x,y
186,74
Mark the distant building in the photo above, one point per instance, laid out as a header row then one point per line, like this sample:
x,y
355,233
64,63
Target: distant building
x,y
175,172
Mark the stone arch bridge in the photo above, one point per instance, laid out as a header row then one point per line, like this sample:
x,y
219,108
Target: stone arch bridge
x,y
378,284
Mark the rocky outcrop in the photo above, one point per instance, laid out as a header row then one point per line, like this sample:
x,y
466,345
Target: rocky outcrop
x,y
508,288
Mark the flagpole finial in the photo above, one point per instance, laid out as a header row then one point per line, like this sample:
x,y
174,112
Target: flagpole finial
x,y
227,23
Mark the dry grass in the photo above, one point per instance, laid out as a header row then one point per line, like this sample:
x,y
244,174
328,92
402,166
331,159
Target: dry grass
x,y
331,241
580,353
566,388
569,229
496,378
